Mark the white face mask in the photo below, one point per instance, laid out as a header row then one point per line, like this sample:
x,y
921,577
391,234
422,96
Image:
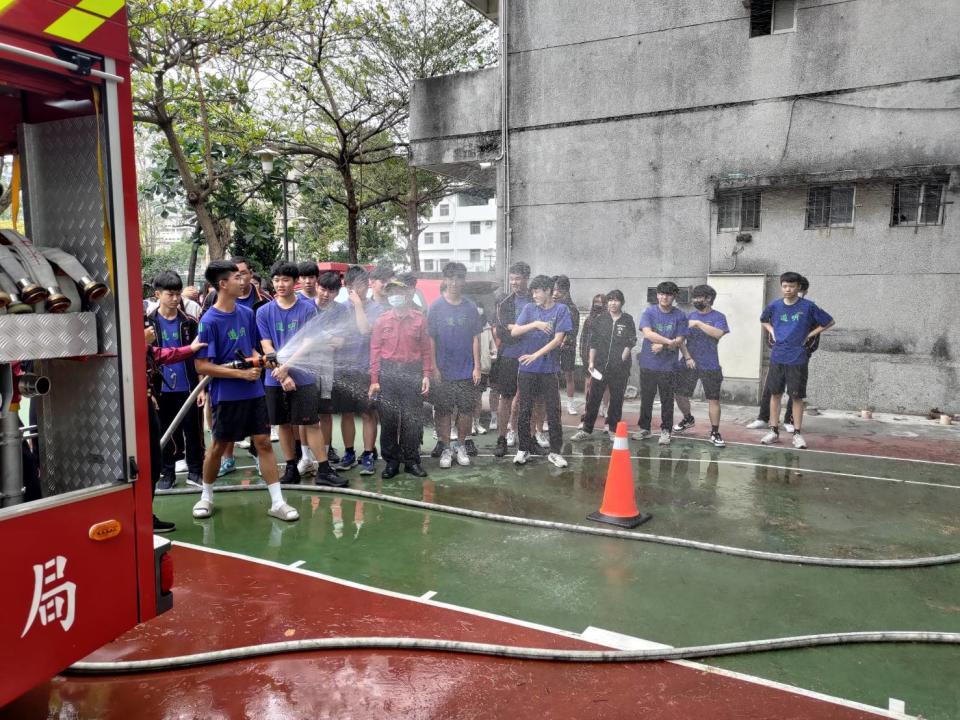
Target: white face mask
x,y
396,300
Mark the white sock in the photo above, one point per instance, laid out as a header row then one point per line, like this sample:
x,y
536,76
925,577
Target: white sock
x,y
308,454
207,492
276,495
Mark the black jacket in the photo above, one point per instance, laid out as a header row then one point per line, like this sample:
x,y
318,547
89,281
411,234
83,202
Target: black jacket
x,y
188,332
609,339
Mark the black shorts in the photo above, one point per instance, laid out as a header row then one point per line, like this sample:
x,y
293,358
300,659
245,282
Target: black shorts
x,y
687,382
299,407
351,392
568,359
454,395
503,376
793,378
234,420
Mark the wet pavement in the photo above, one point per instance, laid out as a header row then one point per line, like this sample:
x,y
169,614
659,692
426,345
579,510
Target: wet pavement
x,y
774,499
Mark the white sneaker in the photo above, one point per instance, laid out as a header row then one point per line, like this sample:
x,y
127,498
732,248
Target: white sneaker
x,y
641,434
572,407
789,427
478,429
274,433
493,421
603,410
580,435
770,438
580,426
798,441
306,466
757,424
453,434
446,458
180,466
664,437
521,457
557,459
462,457
243,444
511,438
545,426
543,440
612,434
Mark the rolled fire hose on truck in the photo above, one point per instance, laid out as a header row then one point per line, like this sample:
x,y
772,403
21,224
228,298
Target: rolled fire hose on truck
x,y
15,306
29,291
39,268
241,363
90,289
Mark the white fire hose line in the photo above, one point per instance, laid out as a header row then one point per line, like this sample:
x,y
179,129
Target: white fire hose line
x,y
22,279
894,563
16,306
91,289
39,268
512,651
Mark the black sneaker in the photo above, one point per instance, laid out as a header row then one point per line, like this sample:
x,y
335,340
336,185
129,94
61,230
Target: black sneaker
x,y
534,448
162,526
390,470
685,424
438,449
471,447
501,449
716,439
415,470
195,479
166,482
330,478
291,476
332,456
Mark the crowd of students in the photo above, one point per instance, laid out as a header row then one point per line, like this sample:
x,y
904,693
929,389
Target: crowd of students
x,y
381,357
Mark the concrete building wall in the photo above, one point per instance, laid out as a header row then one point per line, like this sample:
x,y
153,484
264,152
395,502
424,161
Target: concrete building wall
x,y
628,117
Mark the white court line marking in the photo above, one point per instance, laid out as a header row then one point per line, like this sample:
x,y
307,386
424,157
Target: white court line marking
x,y
298,563
533,626
776,467
428,595
618,641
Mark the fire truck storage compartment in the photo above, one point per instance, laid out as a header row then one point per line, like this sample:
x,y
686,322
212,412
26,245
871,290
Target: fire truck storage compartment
x,y
55,134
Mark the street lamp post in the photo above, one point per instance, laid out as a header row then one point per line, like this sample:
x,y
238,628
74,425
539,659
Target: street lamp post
x,y
267,157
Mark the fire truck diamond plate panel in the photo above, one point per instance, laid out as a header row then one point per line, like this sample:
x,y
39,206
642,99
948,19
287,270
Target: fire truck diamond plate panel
x,y
32,337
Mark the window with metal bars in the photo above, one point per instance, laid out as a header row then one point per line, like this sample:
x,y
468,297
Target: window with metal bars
x,y
917,203
738,211
830,206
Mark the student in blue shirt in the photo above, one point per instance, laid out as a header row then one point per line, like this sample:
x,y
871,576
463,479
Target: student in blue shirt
x,y
237,396
293,398
541,327
174,328
663,327
454,325
793,324
705,328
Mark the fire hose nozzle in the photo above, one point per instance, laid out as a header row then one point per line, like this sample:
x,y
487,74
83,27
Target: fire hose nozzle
x,y
30,292
257,361
92,289
57,302
31,385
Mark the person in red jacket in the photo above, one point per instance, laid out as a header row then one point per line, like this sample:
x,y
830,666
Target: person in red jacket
x,y
401,363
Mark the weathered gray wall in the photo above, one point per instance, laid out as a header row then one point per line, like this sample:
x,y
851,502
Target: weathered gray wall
x,y
626,115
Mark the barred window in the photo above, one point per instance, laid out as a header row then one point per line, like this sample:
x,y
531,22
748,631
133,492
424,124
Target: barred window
x,y
830,206
738,211
475,228
917,203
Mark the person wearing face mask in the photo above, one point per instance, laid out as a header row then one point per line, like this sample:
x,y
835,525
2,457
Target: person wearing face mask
x,y
598,308
612,338
706,327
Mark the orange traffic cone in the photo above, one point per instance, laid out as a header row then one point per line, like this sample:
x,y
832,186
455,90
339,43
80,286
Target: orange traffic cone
x,y
619,505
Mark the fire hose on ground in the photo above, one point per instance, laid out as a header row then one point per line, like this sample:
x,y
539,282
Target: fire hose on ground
x,y
512,651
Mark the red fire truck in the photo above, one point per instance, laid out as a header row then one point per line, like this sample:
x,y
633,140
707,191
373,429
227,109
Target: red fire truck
x,y
80,565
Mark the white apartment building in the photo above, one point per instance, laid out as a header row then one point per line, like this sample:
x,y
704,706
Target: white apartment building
x,y
461,228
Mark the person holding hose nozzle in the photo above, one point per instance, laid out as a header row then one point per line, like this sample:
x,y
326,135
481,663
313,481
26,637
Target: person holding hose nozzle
x,y
237,395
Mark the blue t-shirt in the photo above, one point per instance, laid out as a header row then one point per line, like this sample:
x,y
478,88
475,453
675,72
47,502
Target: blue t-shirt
x,y
558,317
791,325
453,328
702,347
669,324
174,376
225,333
515,350
279,326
